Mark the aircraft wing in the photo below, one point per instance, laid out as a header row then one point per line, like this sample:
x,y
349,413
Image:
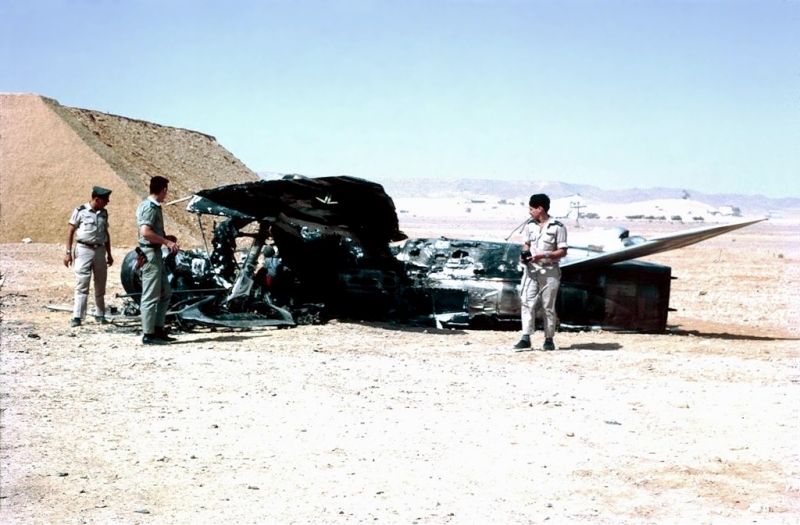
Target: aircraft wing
x,y
587,257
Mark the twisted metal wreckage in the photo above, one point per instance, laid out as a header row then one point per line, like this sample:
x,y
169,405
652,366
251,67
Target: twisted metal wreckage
x,y
329,247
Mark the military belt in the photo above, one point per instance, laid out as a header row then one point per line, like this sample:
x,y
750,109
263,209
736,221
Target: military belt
x,y
93,245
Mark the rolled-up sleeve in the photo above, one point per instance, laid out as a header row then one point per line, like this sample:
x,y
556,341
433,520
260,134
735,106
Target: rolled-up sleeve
x,y
75,218
561,237
147,216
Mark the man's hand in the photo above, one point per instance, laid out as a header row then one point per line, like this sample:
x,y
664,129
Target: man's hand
x,y
172,244
173,247
538,256
68,260
109,259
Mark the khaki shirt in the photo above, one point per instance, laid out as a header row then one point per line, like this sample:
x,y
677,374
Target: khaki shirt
x,y
547,239
90,226
149,213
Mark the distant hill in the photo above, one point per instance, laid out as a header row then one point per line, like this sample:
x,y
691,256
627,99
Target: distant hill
x,y
51,155
513,190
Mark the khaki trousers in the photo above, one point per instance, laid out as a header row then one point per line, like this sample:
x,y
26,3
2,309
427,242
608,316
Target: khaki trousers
x,y
156,291
88,261
539,288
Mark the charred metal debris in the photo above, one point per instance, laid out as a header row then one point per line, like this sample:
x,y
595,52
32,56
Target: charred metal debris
x,y
304,250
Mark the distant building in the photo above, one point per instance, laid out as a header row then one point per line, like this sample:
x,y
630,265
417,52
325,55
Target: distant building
x,y
567,207
729,210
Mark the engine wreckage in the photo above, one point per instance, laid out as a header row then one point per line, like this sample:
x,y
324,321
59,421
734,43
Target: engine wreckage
x,y
302,250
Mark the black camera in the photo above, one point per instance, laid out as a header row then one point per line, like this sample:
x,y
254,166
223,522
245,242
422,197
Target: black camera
x,y
526,255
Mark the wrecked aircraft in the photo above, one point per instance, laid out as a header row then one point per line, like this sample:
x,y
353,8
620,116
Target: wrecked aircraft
x,y
319,248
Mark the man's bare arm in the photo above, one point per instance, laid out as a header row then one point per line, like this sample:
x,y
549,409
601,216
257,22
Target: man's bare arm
x,y
70,238
109,257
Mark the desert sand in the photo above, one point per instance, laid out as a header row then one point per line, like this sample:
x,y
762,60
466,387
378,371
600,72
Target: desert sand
x,y
355,422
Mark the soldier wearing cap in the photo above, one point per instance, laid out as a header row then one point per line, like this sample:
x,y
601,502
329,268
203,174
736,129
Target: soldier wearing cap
x,y
88,227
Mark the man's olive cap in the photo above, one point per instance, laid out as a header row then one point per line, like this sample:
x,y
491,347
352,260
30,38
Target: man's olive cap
x,y
101,192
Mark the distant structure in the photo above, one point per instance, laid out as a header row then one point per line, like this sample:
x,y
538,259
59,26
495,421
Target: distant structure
x,y
565,207
576,205
732,211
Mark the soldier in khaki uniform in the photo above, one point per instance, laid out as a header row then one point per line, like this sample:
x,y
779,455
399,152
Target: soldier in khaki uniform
x,y
156,291
545,243
88,226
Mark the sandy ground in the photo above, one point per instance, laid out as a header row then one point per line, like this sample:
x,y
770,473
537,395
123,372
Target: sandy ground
x,y
355,422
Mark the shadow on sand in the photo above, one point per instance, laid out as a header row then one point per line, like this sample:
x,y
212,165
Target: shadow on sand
x,y
726,336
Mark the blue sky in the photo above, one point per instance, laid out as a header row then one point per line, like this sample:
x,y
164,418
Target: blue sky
x,y
696,94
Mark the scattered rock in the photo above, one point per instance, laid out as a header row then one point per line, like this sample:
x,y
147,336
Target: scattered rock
x,y
759,508
793,486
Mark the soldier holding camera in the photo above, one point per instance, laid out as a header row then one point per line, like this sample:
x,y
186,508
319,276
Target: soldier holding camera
x,y
545,243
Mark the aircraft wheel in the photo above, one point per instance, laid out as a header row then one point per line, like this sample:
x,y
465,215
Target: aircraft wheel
x,y
130,277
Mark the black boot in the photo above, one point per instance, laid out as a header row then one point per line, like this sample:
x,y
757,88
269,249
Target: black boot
x,y
151,339
161,333
548,344
524,342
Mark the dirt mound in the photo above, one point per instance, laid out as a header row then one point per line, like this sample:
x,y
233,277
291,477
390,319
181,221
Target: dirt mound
x,y
51,156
